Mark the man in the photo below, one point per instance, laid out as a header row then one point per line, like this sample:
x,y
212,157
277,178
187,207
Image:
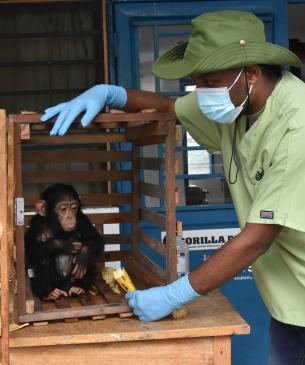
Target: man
x,y
252,110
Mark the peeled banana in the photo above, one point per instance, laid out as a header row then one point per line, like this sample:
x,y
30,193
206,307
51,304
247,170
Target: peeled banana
x,y
107,275
123,279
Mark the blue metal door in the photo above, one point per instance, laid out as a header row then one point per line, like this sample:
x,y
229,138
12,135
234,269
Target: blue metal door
x,y
140,32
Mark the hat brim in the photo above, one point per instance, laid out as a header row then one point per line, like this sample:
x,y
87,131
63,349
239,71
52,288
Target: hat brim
x,y
172,65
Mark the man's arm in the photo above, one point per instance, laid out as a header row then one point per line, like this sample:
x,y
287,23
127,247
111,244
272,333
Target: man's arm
x,y
138,100
155,303
92,101
240,252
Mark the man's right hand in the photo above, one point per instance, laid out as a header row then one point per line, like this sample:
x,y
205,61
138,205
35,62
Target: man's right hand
x,y
91,102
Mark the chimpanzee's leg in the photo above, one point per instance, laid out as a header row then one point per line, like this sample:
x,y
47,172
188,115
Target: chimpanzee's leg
x,y
44,280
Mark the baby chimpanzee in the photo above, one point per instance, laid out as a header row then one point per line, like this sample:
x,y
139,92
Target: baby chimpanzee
x,y
61,245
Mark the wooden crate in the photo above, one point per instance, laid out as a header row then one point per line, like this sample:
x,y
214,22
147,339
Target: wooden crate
x,y
37,160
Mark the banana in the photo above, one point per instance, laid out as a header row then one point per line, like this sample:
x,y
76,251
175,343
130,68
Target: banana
x,y
123,279
107,275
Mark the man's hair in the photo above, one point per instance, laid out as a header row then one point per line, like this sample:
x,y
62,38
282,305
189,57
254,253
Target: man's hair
x,y
271,71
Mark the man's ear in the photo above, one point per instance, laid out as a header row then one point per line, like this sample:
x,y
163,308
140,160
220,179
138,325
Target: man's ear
x,y
41,207
254,72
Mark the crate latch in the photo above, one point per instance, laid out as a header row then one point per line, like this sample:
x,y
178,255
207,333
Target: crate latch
x,y
19,211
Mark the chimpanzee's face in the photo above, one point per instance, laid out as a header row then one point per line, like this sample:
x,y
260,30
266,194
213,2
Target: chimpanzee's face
x,y
66,211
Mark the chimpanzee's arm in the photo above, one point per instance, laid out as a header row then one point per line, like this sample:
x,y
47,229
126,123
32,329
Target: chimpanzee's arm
x,y
37,248
91,238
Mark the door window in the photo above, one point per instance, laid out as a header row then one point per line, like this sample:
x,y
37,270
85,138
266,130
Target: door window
x,y
201,177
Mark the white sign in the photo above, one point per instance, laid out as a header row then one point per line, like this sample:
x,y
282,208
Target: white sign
x,y
209,239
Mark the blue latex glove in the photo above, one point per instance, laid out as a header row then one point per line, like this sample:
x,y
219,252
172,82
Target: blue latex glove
x,y
91,102
155,303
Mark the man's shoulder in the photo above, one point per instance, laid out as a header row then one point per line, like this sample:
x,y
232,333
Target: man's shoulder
x,y
289,88
287,100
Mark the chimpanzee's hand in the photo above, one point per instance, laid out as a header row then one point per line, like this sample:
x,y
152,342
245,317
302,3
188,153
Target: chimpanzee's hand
x,y
77,246
80,263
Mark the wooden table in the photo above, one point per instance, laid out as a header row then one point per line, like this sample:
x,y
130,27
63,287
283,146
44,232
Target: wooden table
x,y
203,337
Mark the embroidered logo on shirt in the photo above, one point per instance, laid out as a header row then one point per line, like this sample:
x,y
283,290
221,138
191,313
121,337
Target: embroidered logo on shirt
x,y
259,175
267,214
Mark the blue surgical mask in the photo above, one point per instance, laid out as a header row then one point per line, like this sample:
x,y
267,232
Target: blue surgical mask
x,y
216,104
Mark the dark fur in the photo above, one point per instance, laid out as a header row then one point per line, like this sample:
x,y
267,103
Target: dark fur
x,y
49,250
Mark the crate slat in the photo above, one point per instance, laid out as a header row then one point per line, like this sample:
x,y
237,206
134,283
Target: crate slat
x,y
101,118
154,217
76,139
141,275
77,155
89,200
77,176
152,243
151,163
75,312
153,190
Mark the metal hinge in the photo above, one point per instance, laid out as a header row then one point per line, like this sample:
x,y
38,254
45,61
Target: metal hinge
x,y
19,211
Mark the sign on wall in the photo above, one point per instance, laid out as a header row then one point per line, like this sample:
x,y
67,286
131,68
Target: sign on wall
x,y
209,239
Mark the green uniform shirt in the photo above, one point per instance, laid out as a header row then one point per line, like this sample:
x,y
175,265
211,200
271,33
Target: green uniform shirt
x,y
270,187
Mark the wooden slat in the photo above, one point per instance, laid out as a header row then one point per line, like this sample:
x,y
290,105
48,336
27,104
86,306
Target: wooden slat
x,y
136,199
142,276
96,127
101,118
152,190
10,213
222,350
63,303
19,230
147,130
75,312
104,218
75,155
170,186
150,163
4,242
148,141
85,299
179,228
77,139
153,217
116,255
110,239
76,176
89,200
151,265
108,294
100,218
25,131
152,243
30,301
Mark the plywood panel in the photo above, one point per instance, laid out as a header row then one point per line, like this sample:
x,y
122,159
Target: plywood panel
x,y
194,351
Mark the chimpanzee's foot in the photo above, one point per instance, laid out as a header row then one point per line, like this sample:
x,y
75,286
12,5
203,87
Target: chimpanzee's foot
x,y
75,290
55,294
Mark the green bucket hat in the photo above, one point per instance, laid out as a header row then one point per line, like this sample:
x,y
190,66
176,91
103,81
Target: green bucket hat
x,y
221,41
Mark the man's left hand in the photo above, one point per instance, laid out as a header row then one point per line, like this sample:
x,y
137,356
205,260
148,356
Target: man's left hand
x,y
156,303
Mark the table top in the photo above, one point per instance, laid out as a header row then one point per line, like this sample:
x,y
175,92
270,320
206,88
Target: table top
x,y
210,315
